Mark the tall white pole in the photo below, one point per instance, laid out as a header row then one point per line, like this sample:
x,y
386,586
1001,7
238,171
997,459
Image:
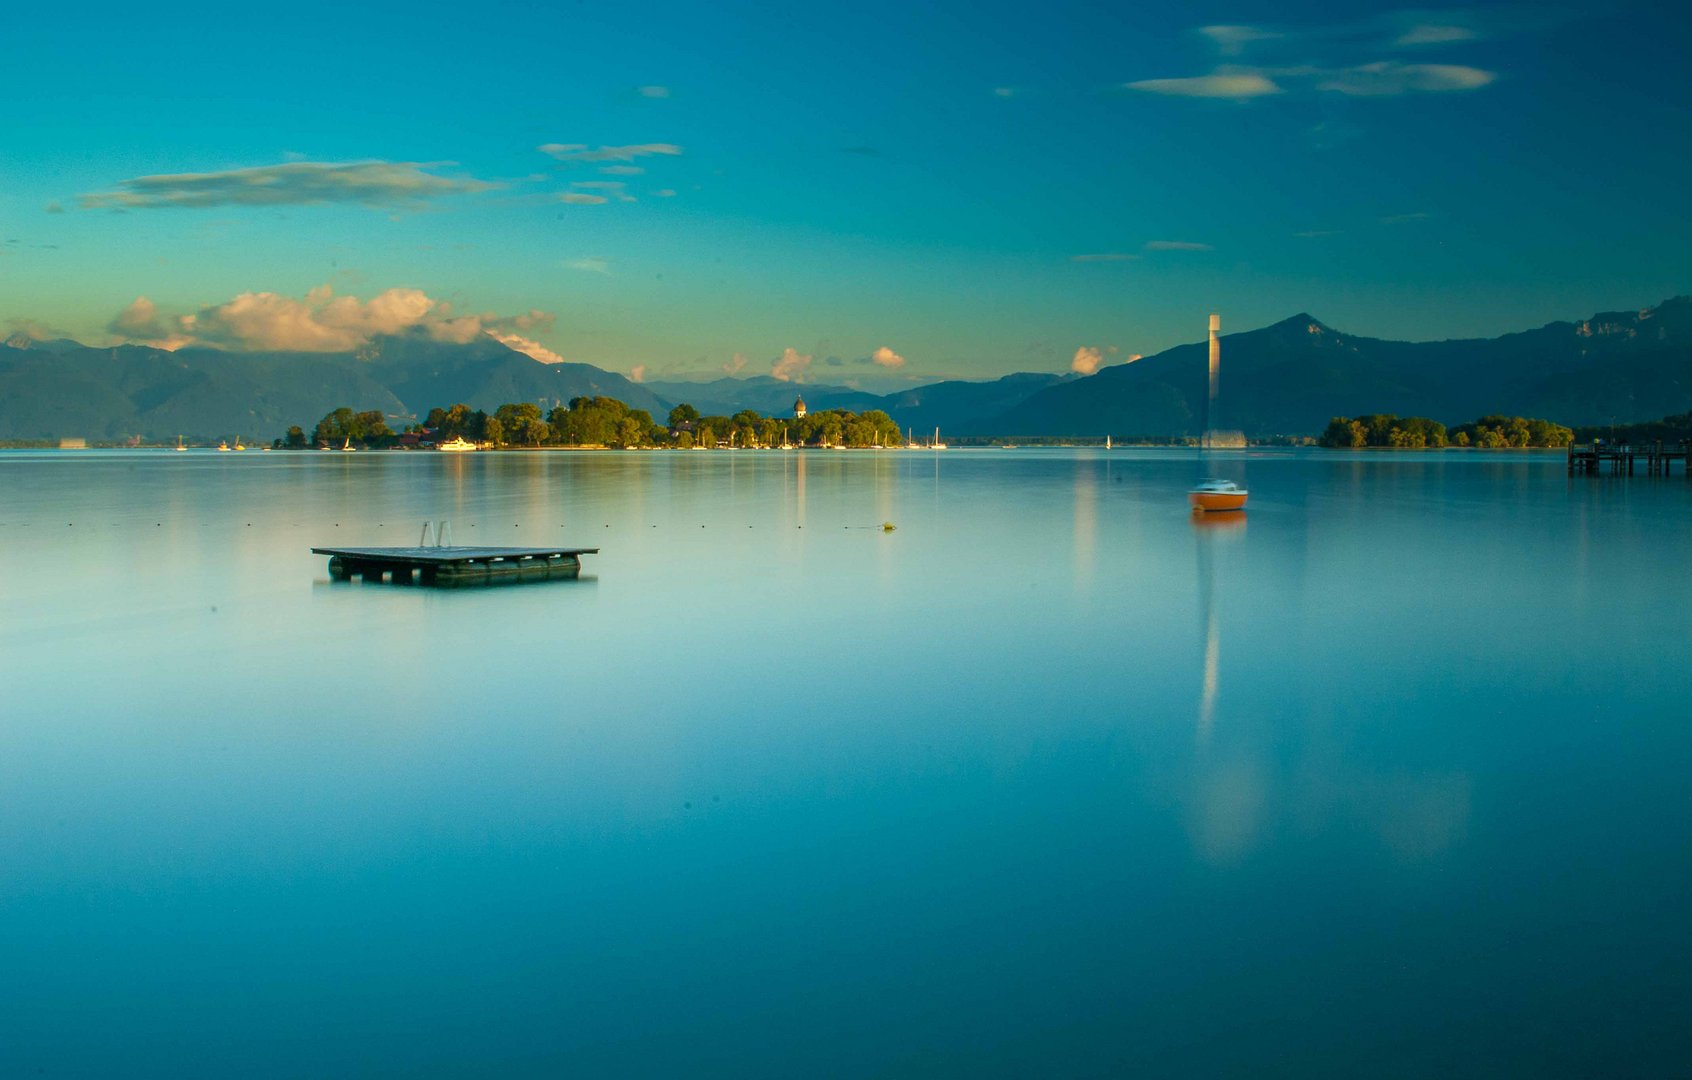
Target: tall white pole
x,y
1215,375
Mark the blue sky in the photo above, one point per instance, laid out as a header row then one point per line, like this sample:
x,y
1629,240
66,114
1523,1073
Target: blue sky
x,y
970,188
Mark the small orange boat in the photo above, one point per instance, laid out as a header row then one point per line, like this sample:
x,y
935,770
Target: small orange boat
x,y
1215,495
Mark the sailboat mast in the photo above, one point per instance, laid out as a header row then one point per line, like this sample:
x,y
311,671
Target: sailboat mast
x,y
1215,377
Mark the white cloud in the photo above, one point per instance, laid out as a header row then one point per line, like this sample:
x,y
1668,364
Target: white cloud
x,y
790,366
1087,360
582,198
534,349
653,91
1232,85
637,373
583,152
622,170
665,193
1434,34
735,363
1103,256
614,189
24,331
887,358
1391,78
140,322
1005,91
1232,40
323,322
368,183
1176,245
1406,219
590,265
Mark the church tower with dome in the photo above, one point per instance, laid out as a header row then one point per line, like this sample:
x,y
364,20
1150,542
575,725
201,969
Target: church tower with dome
x,y
799,409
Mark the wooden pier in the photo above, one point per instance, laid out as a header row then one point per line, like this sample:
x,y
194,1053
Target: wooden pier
x,y
1618,459
452,566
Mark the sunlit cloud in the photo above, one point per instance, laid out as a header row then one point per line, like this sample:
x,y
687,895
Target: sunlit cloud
x,y
1005,91
590,265
582,198
323,322
582,152
1176,245
384,184
1228,85
665,193
24,331
54,207
533,349
1433,34
1312,234
614,189
790,365
1393,30
140,322
1104,257
653,91
637,373
1406,219
1232,40
622,170
1087,360
735,364
1391,78
886,358
1361,43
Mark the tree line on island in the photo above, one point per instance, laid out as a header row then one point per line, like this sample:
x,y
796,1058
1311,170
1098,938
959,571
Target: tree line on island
x,y
1418,432
607,422
599,422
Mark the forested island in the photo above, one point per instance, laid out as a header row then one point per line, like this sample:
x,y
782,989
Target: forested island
x,y
600,422
1418,432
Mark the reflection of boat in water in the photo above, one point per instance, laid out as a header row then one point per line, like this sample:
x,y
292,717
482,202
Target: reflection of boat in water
x,y
1212,496
458,444
1218,524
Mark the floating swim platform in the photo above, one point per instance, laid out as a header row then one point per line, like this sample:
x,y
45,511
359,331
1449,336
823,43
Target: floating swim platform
x,y
452,566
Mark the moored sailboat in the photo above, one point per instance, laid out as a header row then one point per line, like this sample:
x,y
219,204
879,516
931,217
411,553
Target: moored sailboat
x,y
1214,494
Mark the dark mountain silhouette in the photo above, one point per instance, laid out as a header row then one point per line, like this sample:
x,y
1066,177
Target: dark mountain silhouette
x,y
1287,378
956,404
54,389
1291,377
945,405
763,394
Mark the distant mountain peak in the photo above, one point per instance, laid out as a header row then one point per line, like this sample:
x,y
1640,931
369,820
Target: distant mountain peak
x,y
1303,321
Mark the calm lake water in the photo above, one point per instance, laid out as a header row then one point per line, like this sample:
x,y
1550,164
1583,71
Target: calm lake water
x,y
1388,778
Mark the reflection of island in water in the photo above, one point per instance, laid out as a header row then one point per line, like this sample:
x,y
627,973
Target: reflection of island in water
x,y
1210,530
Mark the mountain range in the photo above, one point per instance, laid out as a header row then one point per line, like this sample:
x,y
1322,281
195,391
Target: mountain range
x,y
1286,378
1292,376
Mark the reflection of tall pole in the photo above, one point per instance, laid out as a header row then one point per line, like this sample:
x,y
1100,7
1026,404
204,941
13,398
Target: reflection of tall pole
x,y
1215,376
1212,637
